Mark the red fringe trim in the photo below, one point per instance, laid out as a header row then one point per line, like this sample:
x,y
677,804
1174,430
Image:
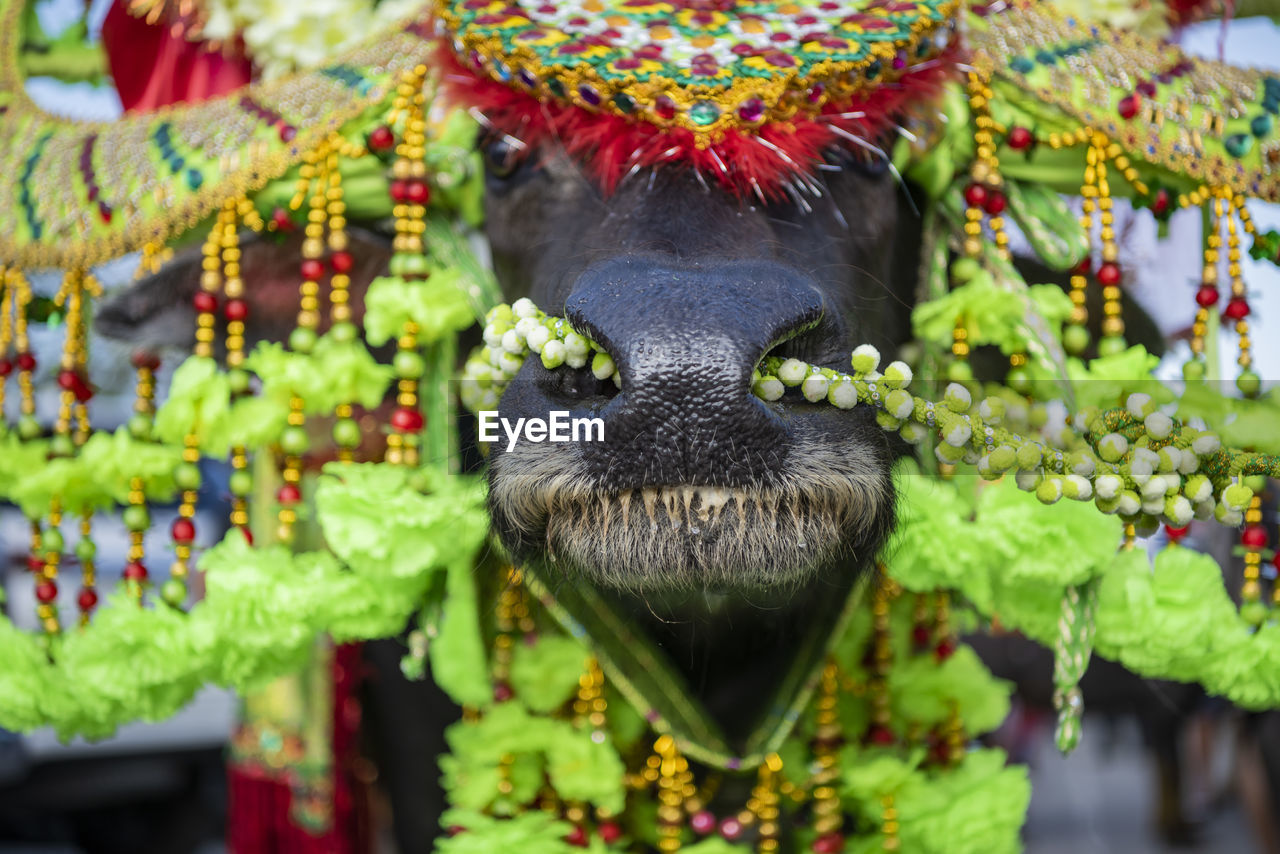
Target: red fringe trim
x,y
757,162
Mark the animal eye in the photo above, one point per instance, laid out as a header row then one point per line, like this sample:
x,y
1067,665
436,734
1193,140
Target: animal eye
x,y
503,155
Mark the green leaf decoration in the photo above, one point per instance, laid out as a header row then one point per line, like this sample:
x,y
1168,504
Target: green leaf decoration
x,y
458,661
1239,422
545,675
924,691
975,808
582,769
439,305
1050,227
1109,380
533,832
198,402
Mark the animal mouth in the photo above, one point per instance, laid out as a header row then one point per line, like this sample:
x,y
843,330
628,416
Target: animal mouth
x,y
695,537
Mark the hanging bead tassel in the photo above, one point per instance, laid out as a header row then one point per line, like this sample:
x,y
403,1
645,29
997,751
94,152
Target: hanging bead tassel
x,y
879,732
828,738
1253,539
24,359
236,311
1108,273
671,814
1206,296
1072,649
764,804
1237,308
86,553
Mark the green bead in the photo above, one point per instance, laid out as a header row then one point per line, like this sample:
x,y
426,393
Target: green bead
x,y
86,550
140,427
62,446
625,103
1256,482
1019,380
1075,339
1253,613
1193,370
51,541
346,433
343,332
302,340
965,269
238,379
409,364
1249,383
241,483
174,592
1112,345
959,372
409,264
1261,125
29,427
136,517
187,476
1238,144
294,441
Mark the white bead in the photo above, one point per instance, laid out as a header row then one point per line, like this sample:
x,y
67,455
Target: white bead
x,y
844,395
512,343
792,372
865,358
524,307
538,337
1139,404
768,388
1158,425
1205,444
1108,486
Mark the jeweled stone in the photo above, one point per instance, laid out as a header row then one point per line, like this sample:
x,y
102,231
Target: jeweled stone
x,y
751,110
816,91
703,113
1261,125
1238,144
1128,106
1021,64
873,69
624,102
528,78
664,107
556,87
589,94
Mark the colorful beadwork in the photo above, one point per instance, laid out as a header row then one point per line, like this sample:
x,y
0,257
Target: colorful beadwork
x,y
703,66
1199,119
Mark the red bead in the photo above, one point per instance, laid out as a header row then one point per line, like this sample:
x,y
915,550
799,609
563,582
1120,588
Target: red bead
x,y
975,195
828,843
1084,268
1176,534
282,220
87,600
610,832
1160,204
407,420
944,650
26,362
417,193
287,133
995,203
145,359
382,138
920,635
289,494
46,591
399,190
204,302
6,367
1253,537
35,563
66,380
81,389
1020,138
502,692
236,309
248,535
881,735
312,269
342,262
577,837
135,572
104,213
1237,308
731,828
1108,274
1128,106
1207,296
702,822
183,530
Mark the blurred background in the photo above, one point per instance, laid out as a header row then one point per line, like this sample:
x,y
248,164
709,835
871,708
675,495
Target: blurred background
x,y
1161,767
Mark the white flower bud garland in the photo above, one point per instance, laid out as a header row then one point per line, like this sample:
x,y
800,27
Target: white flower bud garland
x,y
1133,461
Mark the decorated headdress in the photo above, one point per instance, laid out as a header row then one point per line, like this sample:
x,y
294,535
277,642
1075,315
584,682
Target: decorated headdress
x,y
570,736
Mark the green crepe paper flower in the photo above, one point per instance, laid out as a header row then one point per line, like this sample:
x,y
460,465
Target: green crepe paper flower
x,y
1109,380
545,675
992,314
28,690
923,691
438,305
18,459
116,458
533,832
978,807
715,845
457,654
870,773
255,421
334,372
380,527
926,551
198,403
76,485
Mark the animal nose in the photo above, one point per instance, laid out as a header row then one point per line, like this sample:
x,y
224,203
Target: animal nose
x,y
686,338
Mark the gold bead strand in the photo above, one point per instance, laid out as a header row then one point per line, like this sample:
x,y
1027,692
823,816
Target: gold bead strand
x,y
86,551
1253,539
183,530
765,799
889,823
25,360
828,738
50,543
346,431
1108,273
1206,295
1237,308
235,310
1075,337
984,195
671,813
879,732
136,517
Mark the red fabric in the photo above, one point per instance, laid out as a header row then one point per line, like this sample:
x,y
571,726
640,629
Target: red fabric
x,y
261,803
759,162
154,67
